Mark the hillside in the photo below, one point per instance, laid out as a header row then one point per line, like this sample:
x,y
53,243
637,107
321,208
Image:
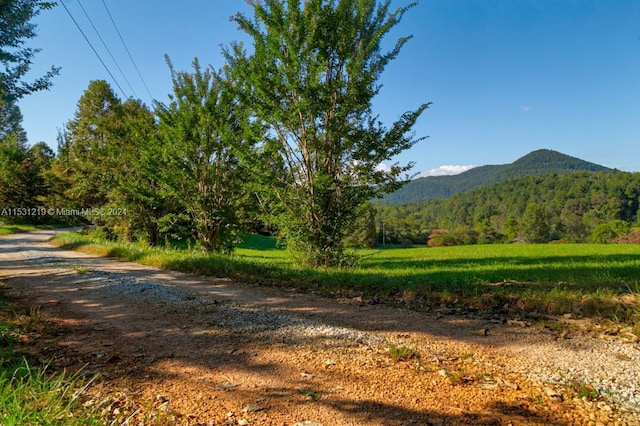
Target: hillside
x,y
571,207
536,163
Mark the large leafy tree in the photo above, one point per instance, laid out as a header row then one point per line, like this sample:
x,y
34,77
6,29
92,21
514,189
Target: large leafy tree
x,y
134,152
21,167
111,156
206,134
16,59
16,174
313,73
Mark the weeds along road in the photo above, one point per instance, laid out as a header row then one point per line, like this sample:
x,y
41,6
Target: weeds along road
x,y
174,348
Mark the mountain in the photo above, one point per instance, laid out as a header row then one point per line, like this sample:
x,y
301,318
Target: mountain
x,y
536,163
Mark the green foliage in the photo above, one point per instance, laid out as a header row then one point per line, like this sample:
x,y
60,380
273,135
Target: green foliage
x,y
534,225
16,29
607,232
11,121
23,169
312,76
315,396
206,133
573,204
599,281
402,353
110,157
12,229
29,394
88,143
21,177
584,390
363,234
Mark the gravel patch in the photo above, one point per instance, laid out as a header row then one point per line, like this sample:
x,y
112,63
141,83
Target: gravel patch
x,y
608,366
256,322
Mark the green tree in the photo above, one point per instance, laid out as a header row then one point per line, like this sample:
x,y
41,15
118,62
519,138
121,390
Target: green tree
x,y
137,199
16,59
313,74
15,174
21,167
11,121
86,151
206,134
534,224
41,158
364,233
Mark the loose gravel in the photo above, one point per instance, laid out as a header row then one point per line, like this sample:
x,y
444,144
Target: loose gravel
x,y
607,364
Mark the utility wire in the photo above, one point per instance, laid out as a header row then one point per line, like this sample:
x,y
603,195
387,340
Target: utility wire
x,y
127,49
107,49
92,48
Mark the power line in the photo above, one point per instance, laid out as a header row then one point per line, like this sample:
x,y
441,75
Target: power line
x,y
127,49
107,48
92,48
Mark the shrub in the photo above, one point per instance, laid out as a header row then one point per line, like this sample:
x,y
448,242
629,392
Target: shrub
x,y
607,232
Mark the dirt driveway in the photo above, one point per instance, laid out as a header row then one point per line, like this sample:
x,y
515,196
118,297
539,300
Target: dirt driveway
x,y
175,348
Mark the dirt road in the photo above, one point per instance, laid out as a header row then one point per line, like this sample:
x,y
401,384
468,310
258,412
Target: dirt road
x,y
183,349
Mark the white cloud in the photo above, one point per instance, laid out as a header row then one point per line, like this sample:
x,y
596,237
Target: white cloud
x,y
447,171
525,108
383,167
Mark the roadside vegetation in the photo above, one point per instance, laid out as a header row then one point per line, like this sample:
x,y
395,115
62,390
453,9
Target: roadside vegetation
x,y
31,394
12,229
599,281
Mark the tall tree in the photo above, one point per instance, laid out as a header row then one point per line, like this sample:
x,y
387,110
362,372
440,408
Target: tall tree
x,y
205,139
313,74
534,224
16,59
20,167
16,174
88,138
11,121
136,197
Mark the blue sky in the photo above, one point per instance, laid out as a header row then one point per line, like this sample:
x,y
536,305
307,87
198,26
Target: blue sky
x,y
506,77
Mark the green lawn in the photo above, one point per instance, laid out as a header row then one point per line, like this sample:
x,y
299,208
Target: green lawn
x,y
592,280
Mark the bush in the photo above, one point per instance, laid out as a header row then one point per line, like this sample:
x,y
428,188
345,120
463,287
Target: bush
x,y
608,232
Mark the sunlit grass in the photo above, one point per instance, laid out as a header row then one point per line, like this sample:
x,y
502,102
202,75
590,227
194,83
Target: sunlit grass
x,y
593,280
13,229
29,394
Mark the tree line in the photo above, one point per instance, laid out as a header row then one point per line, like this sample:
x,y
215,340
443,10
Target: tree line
x,y
282,138
576,207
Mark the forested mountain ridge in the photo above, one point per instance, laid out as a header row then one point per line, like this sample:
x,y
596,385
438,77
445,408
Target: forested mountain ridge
x,y
577,207
537,163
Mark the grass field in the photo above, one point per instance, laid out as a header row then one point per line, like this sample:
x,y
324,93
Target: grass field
x,y
591,280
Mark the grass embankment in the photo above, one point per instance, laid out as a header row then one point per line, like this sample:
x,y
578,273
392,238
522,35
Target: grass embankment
x,y
13,229
29,394
587,280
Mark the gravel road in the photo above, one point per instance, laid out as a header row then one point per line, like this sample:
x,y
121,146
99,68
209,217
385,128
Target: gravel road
x,y
211,347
